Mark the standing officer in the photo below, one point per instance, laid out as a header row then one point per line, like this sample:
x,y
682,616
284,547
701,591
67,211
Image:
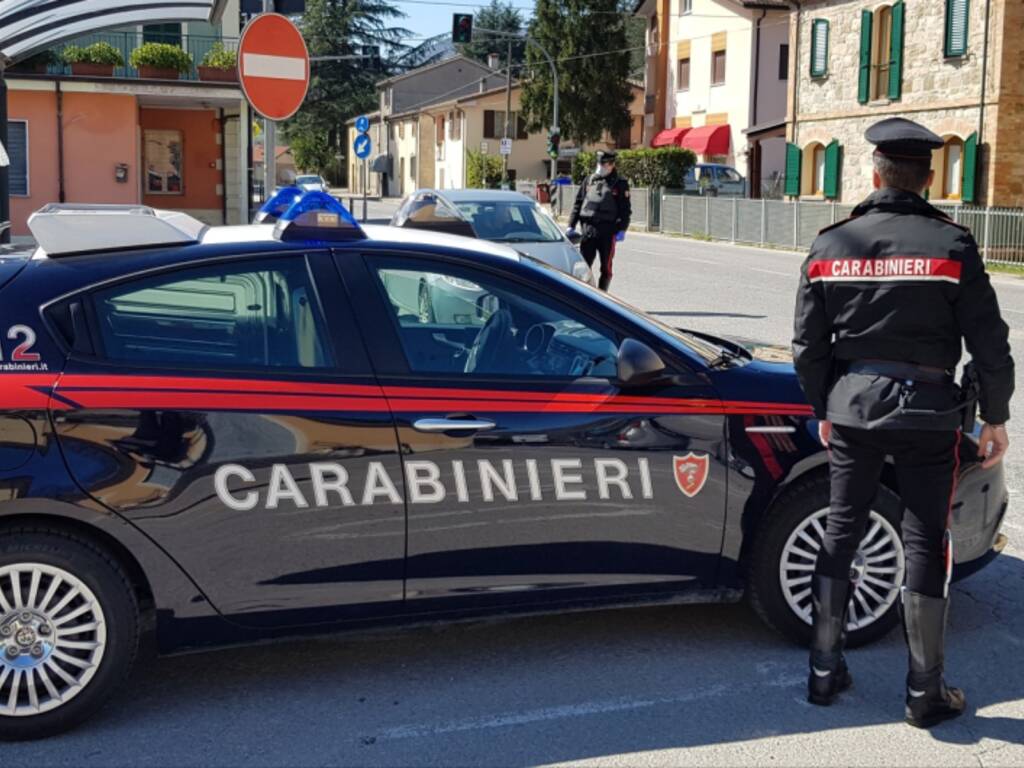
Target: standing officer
x,y
602,205
885,298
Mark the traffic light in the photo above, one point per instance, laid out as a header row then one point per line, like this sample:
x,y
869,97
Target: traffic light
x,y
371,57
554,139
462,27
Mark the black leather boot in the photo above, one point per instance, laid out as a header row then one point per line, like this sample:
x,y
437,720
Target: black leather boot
x,y
829,675
929,701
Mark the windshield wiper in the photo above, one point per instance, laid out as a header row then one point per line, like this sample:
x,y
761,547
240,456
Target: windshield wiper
x,y
725,357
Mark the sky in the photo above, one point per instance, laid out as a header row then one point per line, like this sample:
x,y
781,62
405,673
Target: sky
x,y
426,18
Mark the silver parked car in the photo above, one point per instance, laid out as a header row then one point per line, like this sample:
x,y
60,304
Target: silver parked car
x,y
498,216
312,183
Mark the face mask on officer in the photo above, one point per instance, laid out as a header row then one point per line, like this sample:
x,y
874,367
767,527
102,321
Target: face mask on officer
x,y
604,167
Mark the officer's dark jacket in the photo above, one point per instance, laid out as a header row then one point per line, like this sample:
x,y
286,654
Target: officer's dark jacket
x,y
897,281
603,200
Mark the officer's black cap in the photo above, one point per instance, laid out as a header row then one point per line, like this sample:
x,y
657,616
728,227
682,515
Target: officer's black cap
x,y
606,156
899,137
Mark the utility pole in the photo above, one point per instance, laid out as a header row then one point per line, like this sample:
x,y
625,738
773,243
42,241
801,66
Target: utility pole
x,y
508,112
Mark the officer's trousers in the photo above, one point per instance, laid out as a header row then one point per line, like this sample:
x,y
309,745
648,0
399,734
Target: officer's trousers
x,y
926,464
599,240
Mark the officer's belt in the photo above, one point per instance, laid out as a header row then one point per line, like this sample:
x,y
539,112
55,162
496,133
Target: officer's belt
x,y
904,371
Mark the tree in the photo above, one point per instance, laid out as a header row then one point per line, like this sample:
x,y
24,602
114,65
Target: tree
x,y
500,16
343,88
587,39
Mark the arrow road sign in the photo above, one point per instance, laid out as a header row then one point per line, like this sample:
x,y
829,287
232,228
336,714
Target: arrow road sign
x,y
274,66
362,123
361,146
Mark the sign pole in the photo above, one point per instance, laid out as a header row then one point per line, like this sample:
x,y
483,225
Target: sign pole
x,y
269,139
366,181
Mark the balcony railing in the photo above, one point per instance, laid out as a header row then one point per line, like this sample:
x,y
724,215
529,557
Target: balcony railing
x,y
126,42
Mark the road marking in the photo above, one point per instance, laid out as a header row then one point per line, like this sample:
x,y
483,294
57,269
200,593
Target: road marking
x,y
674,256
772,272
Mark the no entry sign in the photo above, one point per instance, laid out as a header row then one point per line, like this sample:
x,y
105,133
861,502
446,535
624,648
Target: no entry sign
x,y
273,66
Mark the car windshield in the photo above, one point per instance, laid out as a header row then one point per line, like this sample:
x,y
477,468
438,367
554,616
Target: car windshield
x,y
308,180
510,221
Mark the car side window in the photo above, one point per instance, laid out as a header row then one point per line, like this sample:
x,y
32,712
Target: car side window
x,y
728,174
248,314
453,321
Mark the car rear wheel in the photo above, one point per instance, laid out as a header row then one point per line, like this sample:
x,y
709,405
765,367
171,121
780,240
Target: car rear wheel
x,y
69,632
785,552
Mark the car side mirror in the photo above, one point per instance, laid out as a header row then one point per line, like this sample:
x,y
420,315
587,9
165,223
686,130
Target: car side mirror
x,y
574,237
638,364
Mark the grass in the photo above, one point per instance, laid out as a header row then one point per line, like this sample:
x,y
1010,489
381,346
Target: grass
x,y
1014,270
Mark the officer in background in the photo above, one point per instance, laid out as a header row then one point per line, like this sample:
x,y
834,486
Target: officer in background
x,y
885,298
602,207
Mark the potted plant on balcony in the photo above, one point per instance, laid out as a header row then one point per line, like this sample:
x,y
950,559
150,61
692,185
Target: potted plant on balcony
x,y
96,60
219,64
35,64
161,61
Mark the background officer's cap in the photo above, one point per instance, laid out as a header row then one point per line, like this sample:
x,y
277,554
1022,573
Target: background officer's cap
x,y
899,137
606,156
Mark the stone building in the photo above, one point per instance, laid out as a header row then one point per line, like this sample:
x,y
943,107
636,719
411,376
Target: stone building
x,y
952,65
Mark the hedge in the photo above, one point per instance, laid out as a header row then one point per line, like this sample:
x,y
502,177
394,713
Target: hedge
x,y
662,167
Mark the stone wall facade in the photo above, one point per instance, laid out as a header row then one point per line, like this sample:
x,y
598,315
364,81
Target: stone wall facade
x,y
945,94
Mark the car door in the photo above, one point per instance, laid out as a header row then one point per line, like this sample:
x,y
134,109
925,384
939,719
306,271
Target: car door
x,y
233,408
529,475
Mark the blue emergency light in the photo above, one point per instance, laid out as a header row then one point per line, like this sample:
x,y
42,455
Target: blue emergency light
x,y
317,217
277,203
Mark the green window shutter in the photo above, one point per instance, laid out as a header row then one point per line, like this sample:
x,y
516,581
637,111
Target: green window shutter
x,y
792,170
969,182
864,81
957,13
896,46
831,190
819,47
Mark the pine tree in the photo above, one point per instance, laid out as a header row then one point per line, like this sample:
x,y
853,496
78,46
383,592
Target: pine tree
x,y
342,88
587,39
501,16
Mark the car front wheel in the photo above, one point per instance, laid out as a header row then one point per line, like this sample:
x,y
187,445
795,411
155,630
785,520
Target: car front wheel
x,y
69,631
785,552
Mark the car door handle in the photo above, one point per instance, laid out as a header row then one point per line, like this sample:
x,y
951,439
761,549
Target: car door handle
x,y
452,425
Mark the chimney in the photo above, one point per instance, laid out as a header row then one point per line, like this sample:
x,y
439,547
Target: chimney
x,y
493,61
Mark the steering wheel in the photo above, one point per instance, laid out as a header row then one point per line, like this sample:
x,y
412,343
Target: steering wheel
x,y
488,345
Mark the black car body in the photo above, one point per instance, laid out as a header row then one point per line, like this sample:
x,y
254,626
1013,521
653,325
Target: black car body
x,y
260,443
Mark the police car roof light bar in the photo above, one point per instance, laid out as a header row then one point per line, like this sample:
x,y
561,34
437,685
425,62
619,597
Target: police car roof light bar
x,y
277,203
317,218
63,229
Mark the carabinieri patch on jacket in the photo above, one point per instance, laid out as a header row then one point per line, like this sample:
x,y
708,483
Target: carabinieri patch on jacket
x,y
888,269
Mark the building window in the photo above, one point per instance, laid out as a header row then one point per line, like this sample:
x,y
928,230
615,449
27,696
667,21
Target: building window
x,y
881,53
955,167
163,155
494,125
401,129
957,13
17,151
812,170
687,6
819,47
953,174
718,68
784,61
162,33
684,74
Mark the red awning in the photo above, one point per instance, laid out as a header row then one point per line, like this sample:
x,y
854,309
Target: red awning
x,y
669,137
707,140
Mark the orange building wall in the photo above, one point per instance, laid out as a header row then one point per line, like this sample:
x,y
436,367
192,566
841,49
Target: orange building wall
x,y
100,132
200,176
39,108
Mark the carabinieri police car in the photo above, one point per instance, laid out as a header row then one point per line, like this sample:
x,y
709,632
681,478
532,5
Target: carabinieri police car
x,y
240,433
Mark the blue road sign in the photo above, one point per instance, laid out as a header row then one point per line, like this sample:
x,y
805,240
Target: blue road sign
x,y
362,123
361,146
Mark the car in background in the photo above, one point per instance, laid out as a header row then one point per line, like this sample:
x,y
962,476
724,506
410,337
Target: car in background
x,y
498,216
312,183
715,180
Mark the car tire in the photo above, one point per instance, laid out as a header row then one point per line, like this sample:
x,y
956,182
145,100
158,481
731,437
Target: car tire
x,y
424,305
91,616
778,576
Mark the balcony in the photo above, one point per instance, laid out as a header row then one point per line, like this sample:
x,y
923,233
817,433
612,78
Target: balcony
x,y
126,42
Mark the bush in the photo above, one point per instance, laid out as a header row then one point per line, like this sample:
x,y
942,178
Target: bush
x,y
662,167
219,57
483,171
97,53
161,56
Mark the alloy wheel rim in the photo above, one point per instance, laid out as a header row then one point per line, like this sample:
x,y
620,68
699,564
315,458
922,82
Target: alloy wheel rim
x,y
876,573
53,635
